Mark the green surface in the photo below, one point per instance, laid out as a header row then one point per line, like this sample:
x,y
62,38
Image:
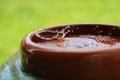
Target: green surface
x,y
13,70
19,17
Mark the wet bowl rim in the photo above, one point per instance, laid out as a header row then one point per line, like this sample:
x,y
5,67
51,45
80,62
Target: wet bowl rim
x,y
36,47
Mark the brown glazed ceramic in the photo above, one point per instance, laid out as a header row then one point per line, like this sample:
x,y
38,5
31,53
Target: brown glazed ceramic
x,y
73,52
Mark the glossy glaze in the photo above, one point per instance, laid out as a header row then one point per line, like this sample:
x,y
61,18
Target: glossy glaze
x,y
60,59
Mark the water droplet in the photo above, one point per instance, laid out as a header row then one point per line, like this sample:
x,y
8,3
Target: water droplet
x,y
77,28
96,27
100,31
113,28
109,34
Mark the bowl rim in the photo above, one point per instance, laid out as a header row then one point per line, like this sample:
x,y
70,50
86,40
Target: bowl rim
x,y
27,41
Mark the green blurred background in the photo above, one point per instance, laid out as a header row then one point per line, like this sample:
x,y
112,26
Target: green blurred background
x,y
19,17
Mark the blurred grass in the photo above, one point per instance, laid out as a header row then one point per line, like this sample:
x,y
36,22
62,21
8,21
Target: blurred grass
x,y
19,17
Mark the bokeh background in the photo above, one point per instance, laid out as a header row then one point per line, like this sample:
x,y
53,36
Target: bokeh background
x,y
19,17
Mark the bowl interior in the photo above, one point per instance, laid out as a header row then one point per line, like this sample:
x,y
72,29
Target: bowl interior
x,y
103,35
61,31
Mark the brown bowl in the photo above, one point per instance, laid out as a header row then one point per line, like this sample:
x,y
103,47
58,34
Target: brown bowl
x,y
73,52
